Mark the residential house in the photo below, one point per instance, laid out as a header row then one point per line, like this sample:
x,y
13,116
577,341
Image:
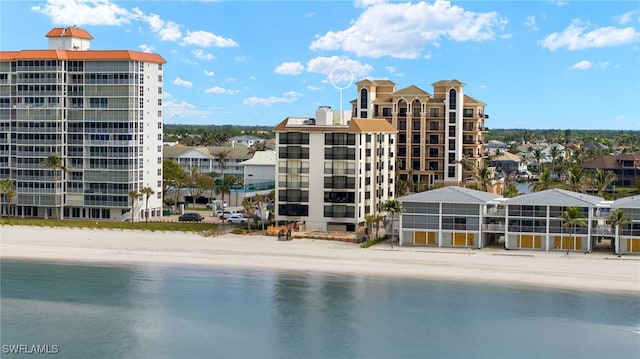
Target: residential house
x,y
626,167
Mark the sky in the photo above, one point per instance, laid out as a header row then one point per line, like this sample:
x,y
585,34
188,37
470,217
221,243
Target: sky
x,y
535,64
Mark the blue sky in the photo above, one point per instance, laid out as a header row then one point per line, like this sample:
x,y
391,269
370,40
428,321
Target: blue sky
x,y
536,64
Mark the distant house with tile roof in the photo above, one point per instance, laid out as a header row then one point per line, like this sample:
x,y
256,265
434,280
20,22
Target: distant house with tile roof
x,y
626,167
206,159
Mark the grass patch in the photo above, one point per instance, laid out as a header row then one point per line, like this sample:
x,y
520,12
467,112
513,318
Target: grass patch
x,y
368,244
114,225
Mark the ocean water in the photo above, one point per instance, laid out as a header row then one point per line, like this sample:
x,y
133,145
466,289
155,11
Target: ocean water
x,y
82,311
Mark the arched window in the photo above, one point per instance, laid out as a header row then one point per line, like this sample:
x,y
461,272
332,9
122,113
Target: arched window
x,y
452,99
364,101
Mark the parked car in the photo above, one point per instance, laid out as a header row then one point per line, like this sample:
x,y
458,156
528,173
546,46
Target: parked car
x,y
237,218
191,217
226,214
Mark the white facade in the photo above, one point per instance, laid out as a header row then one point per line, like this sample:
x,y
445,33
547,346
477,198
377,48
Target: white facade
x,y
100,111
332,170
260,171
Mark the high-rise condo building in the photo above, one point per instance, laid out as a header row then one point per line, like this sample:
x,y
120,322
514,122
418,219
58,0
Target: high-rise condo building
x,y
440,135
99,111
333,170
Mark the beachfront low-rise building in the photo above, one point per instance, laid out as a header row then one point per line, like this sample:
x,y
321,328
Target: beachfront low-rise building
x,y
445,217
629,233
461,217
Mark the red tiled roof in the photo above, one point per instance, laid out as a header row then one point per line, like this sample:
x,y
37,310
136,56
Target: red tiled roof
x,y
69,32
81,55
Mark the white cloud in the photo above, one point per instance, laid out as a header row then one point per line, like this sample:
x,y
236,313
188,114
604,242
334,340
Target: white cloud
x,y
575,38
402,30
79,12
289,68
173,110
206,39
209,73
180,82
221,90
314,88
625,18
202,55
559,3
288,97
324,65
166,30
146,48
582,65
390,69
530,23
107,12
241,58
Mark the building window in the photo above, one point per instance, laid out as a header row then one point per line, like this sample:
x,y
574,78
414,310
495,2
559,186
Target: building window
x,y
434,139
159,125
416,124
159,102
451,172
294,138
331,139
159,113
159,90
434,126
467,112
434,112
452,99
364,98
159,78
159,148
386,111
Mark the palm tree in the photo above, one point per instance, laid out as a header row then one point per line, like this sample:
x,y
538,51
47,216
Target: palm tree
x,y
401,188
55,163
134,195
510,191
577,181
259,199
467,167
392,206
485,178
7,187
222,156
249,209
601,179
573,217
147,192
538,155
369,219
544,182
377,220
617,219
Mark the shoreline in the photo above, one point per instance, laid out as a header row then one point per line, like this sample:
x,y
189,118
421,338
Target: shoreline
x,y
596,272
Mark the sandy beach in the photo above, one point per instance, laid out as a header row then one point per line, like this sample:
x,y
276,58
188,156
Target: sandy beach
x,y
597,272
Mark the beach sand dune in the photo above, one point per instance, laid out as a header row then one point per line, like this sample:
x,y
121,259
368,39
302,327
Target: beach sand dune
x,y
597,272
